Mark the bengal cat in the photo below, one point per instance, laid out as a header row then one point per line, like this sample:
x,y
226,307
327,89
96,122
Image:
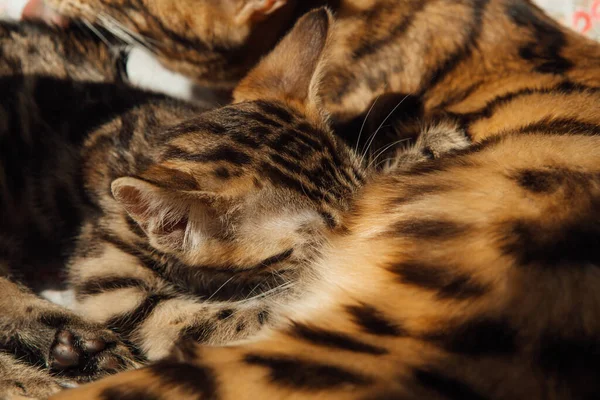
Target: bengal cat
x,y
473,276
215,42
222,242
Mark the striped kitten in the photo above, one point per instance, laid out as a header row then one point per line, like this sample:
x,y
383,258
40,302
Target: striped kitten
x,y
171,225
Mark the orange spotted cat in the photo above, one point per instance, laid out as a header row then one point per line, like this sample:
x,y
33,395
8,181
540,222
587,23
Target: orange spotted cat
x,y
473,276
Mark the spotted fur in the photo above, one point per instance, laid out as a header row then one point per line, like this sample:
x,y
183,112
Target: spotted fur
x,y
171,226
58,87
470,276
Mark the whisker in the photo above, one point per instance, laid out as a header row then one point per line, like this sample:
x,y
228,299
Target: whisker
x,y
380,153
124,33
219,289
372,138
384,161
364,123
92,28
267,293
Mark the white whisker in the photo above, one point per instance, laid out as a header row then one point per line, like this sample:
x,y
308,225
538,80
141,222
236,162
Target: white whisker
x,y
122,32
364,123
92,28
372,138
219,289
380,153
267,293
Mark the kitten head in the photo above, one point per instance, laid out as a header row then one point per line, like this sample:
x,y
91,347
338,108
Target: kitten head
x,y
255,183
214,42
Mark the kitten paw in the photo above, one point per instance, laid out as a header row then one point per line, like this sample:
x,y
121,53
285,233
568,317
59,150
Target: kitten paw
x,y
434,141
81,354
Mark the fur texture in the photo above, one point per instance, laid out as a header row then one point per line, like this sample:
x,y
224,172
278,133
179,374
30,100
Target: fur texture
x,y
473,276
172,226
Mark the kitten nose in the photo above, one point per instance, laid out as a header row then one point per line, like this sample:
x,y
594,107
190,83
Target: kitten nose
x,y
37,9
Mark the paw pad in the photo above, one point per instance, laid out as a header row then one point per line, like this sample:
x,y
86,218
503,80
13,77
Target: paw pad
x,y
68,351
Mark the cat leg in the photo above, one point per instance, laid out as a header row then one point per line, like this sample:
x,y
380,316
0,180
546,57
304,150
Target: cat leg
x,y
434,141
50,337
20,380
115,286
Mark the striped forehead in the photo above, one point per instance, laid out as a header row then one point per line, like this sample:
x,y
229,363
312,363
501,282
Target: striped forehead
x,y
250,124
274,143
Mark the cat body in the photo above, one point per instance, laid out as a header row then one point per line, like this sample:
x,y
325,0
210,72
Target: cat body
x,y
395,65
473,276
217,187
439,57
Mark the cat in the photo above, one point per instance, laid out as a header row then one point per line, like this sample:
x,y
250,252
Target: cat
x,y
195,39
77,149
470,276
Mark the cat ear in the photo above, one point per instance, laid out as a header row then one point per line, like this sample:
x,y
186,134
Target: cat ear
x,y
257,10
291,72
166,215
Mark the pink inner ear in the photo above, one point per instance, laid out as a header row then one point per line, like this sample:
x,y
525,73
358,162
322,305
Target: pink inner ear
x,y
257,11
167,228
133,202
37,9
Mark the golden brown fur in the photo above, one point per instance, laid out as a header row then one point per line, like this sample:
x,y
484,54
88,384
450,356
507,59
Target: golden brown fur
x,y
397,64
473,276
213,41
476,51
57,87
451,279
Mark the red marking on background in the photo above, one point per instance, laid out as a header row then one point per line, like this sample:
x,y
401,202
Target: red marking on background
x,y
579,16
595,11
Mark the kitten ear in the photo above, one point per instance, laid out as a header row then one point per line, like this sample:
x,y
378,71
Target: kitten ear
x,y
257,10
291,72
164,214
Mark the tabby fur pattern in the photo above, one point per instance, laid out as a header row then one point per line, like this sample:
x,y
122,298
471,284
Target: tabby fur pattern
x,y
172,226
396,63
473,276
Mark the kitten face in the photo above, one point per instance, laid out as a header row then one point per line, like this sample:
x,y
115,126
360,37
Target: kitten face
x,y
257,184
193,37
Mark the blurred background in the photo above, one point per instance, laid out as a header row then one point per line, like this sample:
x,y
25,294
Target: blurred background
x,y
581,15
